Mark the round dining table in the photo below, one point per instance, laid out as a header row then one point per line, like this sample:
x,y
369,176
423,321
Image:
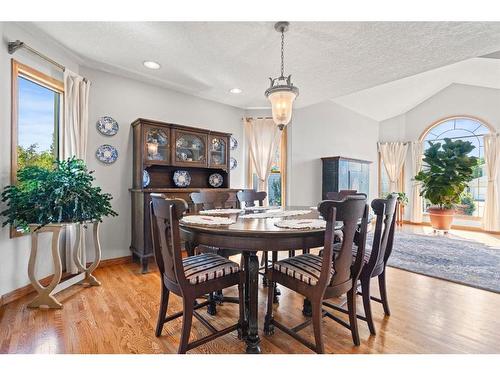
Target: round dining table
x,y
250,235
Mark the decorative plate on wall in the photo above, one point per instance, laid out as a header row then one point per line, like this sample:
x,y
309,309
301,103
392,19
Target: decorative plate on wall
x,y
215,180
107,126
106,154
182,178
233,143
233,163
146,179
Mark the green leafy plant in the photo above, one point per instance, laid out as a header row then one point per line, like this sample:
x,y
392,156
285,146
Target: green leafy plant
x,y
402,197
62,194
30,156
447,170
275,196
468,203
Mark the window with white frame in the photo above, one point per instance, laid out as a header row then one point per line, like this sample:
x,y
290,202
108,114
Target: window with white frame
x,y
466,129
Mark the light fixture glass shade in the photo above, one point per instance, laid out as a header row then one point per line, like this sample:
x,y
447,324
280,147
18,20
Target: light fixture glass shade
x,y
282,104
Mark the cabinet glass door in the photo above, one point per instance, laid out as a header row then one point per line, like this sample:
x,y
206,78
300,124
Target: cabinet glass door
x,y
190,149
157,145
217,152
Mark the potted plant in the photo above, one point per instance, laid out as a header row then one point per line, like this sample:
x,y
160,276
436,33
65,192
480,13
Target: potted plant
x,y
63,194
46,199
403,202
447,170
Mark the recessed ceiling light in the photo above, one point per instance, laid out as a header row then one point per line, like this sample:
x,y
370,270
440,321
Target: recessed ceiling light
x,y
236,91
152,65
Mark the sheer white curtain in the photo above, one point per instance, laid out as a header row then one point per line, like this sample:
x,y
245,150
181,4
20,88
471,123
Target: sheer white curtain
x,y
393,156
262,137
417,149
491,216
74,142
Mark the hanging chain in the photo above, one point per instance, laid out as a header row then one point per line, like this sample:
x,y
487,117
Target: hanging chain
x,y
282,53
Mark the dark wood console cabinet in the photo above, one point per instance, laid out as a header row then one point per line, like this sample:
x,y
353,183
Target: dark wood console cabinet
x,y
341,173
160,149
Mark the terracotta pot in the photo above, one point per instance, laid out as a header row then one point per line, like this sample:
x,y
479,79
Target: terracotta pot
x,y
441,218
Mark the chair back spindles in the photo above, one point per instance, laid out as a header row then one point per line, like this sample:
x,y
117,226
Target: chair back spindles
x,y
165,215
385,210
250,196
350,211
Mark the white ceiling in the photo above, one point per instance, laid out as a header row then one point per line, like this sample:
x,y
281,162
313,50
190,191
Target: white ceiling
x,y
327,60
397,97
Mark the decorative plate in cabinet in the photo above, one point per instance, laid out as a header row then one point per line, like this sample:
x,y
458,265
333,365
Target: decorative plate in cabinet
x,y
216,180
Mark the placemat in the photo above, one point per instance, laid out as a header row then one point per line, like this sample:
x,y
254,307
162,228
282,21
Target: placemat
x,y
207,220
301,224
221,211
275,214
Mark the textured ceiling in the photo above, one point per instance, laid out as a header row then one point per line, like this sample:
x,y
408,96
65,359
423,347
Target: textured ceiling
x,y
326,59
398,97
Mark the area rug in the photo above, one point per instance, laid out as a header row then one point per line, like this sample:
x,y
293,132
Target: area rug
x,y
462,261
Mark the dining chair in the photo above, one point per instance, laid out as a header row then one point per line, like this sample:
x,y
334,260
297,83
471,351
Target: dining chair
x,y
250,196
191,277
376,258
381,249
322,277
338,195
209,200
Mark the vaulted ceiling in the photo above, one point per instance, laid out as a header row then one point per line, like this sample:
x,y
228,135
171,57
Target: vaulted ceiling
x,y
397,97
327,60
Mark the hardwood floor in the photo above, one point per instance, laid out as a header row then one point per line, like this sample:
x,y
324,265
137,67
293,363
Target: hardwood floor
x,y
428,316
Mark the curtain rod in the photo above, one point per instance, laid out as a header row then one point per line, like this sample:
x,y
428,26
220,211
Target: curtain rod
x,y
403,142
14,46
258,118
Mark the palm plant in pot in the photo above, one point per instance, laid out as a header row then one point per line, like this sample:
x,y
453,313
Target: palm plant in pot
x,y
447,170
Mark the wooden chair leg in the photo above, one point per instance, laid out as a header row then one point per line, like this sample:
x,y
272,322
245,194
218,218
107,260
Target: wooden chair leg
x,y
353,320
268,327
383,293
187,320
163,309
317,321
365,291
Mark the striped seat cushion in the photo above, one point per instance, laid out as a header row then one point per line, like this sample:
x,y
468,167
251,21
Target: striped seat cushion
x,y
305,267
207,266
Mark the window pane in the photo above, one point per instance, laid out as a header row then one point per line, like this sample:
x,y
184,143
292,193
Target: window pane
x,y
384,181
274,188
38,117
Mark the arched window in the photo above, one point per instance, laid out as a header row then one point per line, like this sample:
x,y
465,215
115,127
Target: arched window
x,y
467,129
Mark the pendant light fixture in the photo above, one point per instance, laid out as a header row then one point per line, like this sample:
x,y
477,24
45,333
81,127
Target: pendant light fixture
x,y
282,92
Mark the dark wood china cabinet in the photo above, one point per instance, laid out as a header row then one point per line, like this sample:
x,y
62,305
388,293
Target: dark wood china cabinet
x,y
159,150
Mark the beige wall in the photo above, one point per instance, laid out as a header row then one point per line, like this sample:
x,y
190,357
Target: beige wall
x,y
327,129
